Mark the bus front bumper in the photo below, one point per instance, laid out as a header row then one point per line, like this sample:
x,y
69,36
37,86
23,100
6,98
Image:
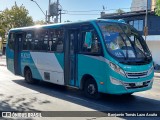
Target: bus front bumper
x,y
121,87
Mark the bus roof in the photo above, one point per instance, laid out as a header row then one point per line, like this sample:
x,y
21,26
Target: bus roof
x,y
61,24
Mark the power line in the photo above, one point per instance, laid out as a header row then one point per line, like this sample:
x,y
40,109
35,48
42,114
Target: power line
x,y
84,11
97,10
81,14
104,10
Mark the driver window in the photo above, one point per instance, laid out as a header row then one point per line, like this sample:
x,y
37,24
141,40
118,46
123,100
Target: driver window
x,y
138,44
91,43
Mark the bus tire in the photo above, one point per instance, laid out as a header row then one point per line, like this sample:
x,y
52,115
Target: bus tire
x,y
28,77
91,89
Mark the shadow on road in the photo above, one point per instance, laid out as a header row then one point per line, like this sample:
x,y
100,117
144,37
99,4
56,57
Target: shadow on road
x,y
107,102
4,105
16,103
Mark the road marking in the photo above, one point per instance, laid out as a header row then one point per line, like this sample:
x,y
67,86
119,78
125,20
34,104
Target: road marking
x,y
95,104
90,102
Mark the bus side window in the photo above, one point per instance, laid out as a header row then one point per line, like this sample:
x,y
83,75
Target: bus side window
x,y
51,40
36,41
56,41
41,40
11,41
45,41
95,46
28,43
90,42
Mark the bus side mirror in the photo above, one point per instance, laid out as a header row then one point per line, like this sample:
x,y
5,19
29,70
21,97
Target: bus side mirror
x,y
88,40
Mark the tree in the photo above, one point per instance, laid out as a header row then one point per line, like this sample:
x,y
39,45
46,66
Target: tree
x,y
2,26
13,18
119,11
158,7
40,22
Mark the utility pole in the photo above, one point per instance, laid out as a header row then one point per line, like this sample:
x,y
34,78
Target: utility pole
x,y
46,17
60,12
146,17
49,14
57,10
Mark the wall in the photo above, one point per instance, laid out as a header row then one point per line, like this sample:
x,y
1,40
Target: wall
x,y
154,47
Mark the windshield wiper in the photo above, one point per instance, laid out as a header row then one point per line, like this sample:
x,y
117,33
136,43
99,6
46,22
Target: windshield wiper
x,y
134,62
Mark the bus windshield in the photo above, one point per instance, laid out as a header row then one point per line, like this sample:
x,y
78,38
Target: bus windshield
x,y
124,42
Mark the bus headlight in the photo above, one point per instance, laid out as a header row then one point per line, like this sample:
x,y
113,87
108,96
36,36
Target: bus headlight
x,y
150,70
115,81
116,68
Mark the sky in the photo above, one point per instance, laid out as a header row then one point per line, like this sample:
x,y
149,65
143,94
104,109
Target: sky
x,y
89,9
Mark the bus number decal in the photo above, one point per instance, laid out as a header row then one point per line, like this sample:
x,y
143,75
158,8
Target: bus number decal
x,y
25,55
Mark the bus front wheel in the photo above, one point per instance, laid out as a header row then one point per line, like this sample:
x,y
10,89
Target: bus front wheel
x,y
28,77
91,89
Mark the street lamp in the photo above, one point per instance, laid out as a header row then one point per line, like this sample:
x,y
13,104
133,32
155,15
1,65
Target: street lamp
x,y
40,9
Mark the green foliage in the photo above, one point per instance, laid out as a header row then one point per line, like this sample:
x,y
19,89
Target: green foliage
x,y
158,7
2,26
40,22
119,11
13,18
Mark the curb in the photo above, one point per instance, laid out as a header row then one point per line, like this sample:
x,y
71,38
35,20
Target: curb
x,y
157,76
2,58
3,65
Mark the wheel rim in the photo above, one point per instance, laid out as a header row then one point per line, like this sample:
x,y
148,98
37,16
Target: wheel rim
x,y
91,89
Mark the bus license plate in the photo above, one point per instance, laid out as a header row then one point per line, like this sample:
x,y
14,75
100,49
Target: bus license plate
x,y
139,84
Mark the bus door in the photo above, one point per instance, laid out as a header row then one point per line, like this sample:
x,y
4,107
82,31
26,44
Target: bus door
x,y
17,53
71,57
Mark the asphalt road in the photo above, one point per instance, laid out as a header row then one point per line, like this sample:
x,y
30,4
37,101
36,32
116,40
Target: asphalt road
x,y
16,94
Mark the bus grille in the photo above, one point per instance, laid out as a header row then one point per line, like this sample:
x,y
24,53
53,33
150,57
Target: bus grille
x,y
136,74
135,85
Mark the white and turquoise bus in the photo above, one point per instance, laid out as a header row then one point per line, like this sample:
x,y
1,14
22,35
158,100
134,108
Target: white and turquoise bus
x,y
97,56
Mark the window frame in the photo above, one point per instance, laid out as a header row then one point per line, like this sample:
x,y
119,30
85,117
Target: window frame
x,y
24,39
35,31
63,34
81,41
39,31
9,41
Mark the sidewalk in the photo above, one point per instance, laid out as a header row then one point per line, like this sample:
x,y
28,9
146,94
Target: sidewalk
x,y
157,74
3,60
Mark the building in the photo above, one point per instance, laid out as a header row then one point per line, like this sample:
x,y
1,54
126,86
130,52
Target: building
x,y
138,5
137,19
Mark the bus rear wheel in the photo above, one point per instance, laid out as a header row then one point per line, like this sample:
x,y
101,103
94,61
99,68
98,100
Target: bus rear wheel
x,y
91,89
28,77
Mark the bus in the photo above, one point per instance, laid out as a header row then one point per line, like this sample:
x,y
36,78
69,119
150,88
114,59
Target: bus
x,y
96,56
